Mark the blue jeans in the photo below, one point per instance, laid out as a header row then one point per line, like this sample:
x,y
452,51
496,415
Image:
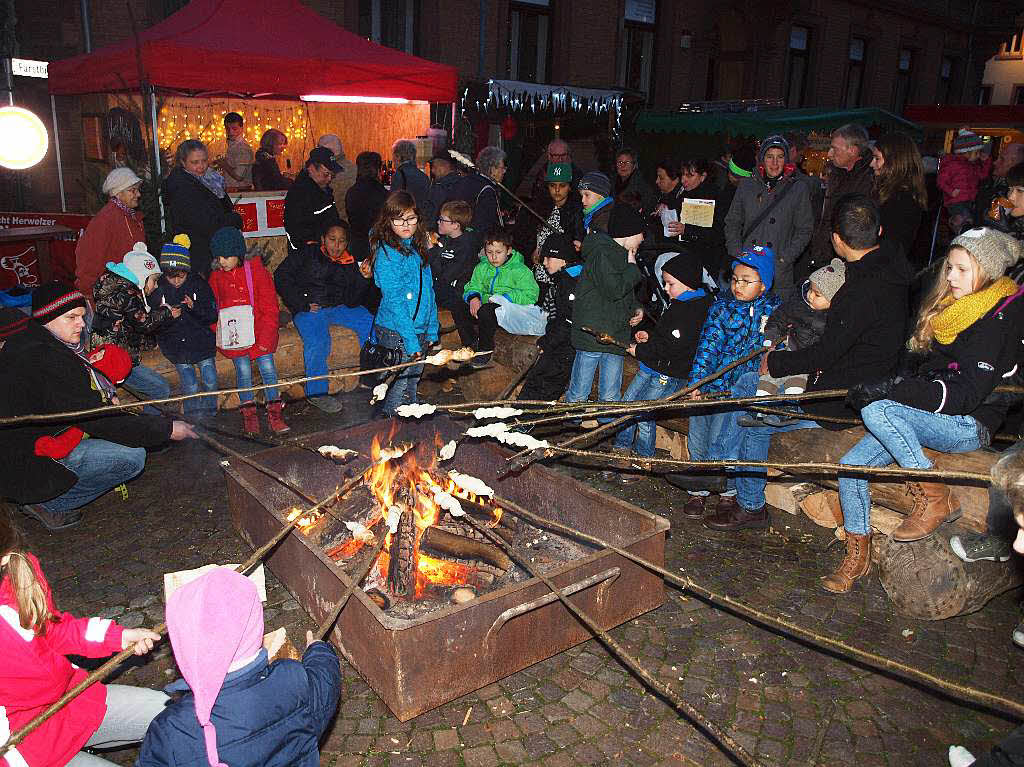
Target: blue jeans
x,y
147,384
315,329
584,366
716,436
645,386
897,432
200,406
403,389
243,376
99,466
755,442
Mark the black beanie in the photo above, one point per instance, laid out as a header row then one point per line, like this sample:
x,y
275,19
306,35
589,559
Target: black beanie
x,y
686,269
557,245
53,299
624,221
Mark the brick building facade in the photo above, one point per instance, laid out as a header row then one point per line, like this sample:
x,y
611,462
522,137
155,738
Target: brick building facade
x,y
825,53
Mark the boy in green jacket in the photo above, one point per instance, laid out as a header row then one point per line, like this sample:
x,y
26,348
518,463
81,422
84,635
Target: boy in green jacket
x,y
606,303
502,292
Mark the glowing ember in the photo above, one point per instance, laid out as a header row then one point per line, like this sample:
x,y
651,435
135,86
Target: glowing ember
x,y
404,476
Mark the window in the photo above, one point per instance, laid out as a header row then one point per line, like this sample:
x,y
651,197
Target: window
x,y
1018,95
799,63
528,23
855,72
636,56
984,95
947,74
394,23
903,91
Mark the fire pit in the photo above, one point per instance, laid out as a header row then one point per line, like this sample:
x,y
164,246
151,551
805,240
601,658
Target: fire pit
x,y
413,645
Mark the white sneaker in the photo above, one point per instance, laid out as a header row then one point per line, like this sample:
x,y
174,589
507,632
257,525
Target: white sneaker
x,y
960,757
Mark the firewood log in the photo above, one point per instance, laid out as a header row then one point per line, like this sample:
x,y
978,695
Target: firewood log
x,y
442,542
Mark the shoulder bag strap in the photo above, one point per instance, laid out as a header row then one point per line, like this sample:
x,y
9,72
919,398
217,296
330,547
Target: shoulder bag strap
x,y
764,213
248,284
419,296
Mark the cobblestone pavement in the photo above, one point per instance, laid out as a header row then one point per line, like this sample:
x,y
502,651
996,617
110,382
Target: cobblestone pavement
x,y
788,703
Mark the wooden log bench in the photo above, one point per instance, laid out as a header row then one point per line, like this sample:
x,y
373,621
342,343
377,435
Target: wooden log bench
x,y
924,579
288,358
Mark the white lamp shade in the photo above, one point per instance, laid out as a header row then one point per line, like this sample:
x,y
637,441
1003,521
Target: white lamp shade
x,y
23,138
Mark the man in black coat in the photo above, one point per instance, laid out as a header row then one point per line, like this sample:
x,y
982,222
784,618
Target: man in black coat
x,y
363,203
48,466
864,335
309,204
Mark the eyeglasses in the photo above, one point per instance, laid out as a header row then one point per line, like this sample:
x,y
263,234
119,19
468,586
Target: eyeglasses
x,y
443,220
623,162
741,282
411,221
558,155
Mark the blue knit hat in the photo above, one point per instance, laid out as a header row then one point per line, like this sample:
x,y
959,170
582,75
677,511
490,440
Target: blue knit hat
x,y
227,242
762,259
773,142
174,256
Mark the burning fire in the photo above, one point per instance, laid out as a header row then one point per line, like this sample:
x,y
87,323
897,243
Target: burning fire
x,y
404,476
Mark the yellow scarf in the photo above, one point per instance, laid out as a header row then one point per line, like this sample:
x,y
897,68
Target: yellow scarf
x,y
959,314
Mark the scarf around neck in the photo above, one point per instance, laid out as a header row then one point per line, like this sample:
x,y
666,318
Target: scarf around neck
x,y
959,314
589,213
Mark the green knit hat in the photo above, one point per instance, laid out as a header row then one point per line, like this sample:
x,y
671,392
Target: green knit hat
x,y
559,172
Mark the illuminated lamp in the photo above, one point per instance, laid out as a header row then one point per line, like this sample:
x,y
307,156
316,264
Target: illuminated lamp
x,y
23,138
358,99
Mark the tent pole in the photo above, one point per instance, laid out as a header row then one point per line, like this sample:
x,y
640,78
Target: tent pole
x,y
451,136
56,147
151,92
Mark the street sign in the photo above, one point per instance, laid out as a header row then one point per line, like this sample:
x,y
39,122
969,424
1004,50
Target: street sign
x,y
29,68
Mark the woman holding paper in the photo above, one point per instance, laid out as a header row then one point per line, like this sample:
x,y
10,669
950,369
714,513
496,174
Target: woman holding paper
x,y
700,214
772,208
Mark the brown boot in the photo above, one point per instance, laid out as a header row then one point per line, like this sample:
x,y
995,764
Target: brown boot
x,y
275,417
250,418
934,503
856,564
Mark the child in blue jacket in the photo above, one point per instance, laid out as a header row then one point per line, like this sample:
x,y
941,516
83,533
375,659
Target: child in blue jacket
x,y
238,709
734,327
187,340
407,315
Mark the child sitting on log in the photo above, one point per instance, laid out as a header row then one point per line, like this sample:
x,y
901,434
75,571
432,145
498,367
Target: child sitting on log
x,y
452,260
549,375
186,340
965,340
797,324
35,640
237,708
734,327
322,286
665,353
502,293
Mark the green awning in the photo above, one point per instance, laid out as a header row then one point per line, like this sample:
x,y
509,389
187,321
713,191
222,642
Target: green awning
x,y
769,121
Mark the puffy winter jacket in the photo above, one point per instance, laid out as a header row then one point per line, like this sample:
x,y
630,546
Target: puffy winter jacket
x,y
733,328
36,672
672,342
557,330
230,289
265,715
307,210
311,277
796,320
453,259
786,229
187,339
605,294
960,178
123,316
407,303
958,378
513,280
864,332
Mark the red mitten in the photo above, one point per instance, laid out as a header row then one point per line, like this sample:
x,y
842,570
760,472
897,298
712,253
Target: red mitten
x,y
60,446
113,361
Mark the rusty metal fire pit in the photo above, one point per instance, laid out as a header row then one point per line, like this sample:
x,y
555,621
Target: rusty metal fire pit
x,y
418,664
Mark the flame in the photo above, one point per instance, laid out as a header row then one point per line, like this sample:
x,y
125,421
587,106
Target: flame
x,y
307,521
404,472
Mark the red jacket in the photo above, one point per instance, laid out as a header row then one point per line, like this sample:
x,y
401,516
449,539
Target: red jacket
x,y
958,173
230,289
36,673
109,235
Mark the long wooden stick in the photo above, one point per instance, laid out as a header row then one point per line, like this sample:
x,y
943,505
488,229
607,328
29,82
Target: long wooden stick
x,y
723,740
534,356
776,623
524,458
335,612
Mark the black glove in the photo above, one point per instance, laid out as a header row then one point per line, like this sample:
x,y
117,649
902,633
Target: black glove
x,y
861,395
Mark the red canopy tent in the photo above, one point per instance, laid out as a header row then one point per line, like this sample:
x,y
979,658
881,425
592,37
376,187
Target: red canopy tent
x,y
274,48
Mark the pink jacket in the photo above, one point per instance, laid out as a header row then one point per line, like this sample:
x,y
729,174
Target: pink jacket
x,y
36,672
957,173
